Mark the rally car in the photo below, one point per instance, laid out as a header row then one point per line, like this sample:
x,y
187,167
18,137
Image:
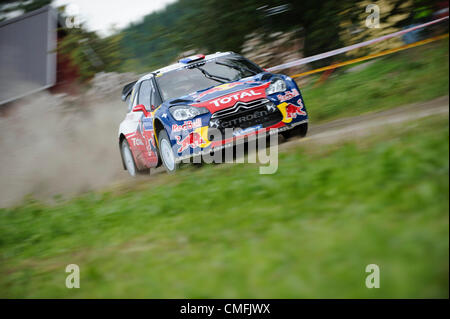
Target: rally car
x,y
185,109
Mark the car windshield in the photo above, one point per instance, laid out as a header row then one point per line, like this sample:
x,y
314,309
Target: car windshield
x,y
200,76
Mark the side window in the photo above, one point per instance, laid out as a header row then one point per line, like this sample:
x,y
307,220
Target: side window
x,y
153,101
131,99
156,100
144,94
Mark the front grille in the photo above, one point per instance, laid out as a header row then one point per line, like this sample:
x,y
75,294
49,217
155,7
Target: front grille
x,y
244,115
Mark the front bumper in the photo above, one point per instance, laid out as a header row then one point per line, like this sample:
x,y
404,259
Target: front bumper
x,y
216,146
233,125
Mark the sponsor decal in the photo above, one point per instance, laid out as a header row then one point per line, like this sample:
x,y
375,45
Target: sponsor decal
x,y
137,142
187,125
292,111
245,118
248,130
147,123
193,139
151,145
288,95
234,97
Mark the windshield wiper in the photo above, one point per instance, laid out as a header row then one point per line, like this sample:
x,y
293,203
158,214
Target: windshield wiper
x,y
236,67
212,77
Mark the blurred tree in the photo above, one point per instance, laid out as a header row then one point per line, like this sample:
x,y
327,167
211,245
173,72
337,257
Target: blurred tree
x,y
90,53
216,25
22,5
320,23
8,7
394,16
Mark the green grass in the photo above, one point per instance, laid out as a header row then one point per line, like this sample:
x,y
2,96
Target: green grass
x,y
410,76
307,231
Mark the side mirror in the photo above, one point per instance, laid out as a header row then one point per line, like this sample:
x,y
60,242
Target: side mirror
x,y
140,108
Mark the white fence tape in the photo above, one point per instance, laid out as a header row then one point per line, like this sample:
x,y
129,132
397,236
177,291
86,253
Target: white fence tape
x,y
350,47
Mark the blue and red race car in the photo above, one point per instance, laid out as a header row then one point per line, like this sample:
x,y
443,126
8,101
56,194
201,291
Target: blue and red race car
x,y
189,108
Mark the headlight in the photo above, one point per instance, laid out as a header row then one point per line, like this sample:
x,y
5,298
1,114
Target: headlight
x,y
186,112
278,85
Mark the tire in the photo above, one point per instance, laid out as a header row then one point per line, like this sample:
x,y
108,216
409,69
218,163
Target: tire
x,y
166,153
128,159
299,131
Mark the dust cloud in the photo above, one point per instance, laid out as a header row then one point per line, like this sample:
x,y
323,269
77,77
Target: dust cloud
x,y
51,145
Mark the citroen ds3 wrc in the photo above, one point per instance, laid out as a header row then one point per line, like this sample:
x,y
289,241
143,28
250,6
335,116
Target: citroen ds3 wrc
x,y
173,111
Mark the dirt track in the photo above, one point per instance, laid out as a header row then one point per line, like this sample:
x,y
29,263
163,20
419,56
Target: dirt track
x,y
361,125
47,151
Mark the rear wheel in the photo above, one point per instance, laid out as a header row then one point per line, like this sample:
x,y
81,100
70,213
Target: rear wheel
x,y
166,153
128,159
299,131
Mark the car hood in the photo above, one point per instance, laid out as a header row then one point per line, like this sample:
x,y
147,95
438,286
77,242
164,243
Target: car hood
x,y
226,95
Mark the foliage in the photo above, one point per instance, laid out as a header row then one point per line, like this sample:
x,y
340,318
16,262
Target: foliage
x,y
307,231
22,5
216,25
414,75
91,53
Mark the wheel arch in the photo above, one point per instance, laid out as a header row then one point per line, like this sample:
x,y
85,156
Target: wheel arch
x,y
158,126
121,138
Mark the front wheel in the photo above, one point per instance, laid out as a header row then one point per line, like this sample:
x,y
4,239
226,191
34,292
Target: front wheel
x,y
166,153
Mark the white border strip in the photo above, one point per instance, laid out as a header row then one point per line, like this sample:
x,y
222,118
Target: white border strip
x,y
351,47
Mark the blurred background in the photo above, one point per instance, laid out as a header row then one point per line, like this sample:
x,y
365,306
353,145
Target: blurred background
x,y
358,191
84,38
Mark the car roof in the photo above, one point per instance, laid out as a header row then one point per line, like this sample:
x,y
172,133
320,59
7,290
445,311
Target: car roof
x,y
182,65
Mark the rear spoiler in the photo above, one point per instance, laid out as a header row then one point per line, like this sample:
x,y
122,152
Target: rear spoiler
x,y
127,90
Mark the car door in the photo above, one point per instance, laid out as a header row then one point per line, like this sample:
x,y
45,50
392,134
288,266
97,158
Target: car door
x,y
148,153
130,124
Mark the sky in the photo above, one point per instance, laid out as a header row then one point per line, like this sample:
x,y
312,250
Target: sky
x,y
101,15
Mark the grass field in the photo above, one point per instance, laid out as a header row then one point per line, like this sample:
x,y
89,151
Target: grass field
x,y
225,231
410,76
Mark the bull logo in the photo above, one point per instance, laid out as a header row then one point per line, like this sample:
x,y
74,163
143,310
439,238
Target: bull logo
x,y
292,111
193,140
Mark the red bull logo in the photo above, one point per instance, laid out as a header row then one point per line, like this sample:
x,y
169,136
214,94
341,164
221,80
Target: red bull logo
x,y
222,87
187,125
292,111
288,95
193,140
